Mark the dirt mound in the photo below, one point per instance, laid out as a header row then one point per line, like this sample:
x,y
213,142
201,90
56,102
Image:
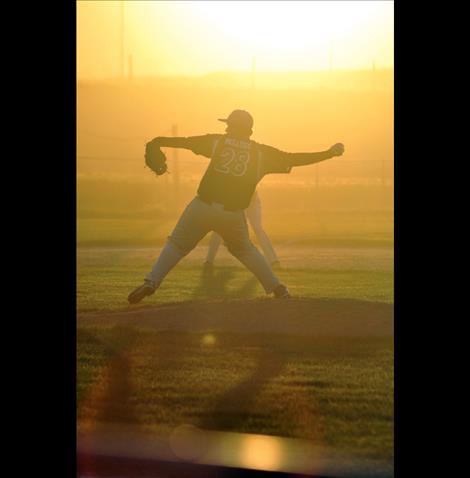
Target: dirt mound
x,y
321,317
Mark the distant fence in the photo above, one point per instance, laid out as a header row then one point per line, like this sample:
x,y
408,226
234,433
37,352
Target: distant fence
x,y
335,171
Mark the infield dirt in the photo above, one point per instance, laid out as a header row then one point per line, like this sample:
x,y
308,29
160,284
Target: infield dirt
x,y
321,317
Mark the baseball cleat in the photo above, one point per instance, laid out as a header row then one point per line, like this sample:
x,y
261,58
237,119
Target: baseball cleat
x,y
281,292
147,288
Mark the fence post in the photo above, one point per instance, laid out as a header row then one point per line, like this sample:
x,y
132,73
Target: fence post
x,y
176,172
130,73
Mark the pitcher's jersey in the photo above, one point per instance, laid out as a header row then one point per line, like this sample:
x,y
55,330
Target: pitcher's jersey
x,y
233,173
235,169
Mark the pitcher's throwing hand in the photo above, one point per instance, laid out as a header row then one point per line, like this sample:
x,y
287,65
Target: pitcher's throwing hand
x,y
337,149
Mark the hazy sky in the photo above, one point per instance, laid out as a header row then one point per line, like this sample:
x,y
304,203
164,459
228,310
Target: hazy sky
x,y
198,37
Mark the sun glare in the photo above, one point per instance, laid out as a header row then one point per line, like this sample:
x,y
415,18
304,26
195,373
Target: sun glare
x,y
283,25
198,37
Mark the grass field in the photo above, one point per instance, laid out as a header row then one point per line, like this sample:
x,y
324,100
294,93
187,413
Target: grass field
x,y
106,276
209,349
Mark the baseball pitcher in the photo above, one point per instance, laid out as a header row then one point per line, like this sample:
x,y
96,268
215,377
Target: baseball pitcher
x,y
237,164
253,215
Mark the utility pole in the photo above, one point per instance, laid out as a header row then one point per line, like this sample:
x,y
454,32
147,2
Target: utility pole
x,y
373,75
253,73
330,57
122,40
330,61
383,173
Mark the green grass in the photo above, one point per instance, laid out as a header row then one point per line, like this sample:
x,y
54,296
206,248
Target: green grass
x,y
336,390
106,276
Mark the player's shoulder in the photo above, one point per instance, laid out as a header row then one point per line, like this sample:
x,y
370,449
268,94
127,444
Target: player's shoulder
x,y
266,150
203,144
213,135
205,137
262,145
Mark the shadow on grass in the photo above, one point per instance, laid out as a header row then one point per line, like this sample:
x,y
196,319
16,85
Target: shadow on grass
x,y
112,399
232,409
109,399
214,284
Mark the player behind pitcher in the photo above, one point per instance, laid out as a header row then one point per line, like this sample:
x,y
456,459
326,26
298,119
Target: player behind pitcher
x,y
253,215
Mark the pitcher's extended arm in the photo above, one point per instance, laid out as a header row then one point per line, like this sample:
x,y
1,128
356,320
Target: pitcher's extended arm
x,y
303,159
173,142
202,145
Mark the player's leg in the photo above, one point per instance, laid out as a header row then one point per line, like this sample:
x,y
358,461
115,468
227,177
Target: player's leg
x,y
214,245
233,228
253,214
192,226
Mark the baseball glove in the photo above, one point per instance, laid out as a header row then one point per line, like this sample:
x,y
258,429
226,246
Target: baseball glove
x,y
155,159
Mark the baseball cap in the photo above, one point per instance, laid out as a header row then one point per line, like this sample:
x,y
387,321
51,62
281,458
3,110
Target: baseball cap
x,y
239,119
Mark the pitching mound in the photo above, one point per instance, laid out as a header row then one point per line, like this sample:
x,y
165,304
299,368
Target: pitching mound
x,y
321,317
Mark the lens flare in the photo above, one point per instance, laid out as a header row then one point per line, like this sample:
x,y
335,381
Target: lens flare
x,y
261,452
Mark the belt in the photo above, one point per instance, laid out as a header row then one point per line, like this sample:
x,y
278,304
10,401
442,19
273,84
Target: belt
x,y
224,207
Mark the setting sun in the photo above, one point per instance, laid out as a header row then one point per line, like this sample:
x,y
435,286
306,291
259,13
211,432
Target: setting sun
x,y
283,25
198,37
